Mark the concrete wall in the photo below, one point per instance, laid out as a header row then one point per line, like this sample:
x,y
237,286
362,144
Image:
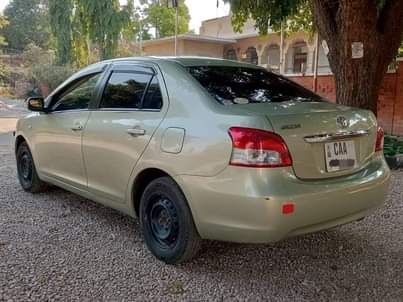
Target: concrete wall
x,y
185,48
222,27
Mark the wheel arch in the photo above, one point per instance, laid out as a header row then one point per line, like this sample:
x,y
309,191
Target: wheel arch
x,y
18,141
140,183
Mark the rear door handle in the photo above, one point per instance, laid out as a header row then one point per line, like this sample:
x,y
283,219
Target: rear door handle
x,y
136,131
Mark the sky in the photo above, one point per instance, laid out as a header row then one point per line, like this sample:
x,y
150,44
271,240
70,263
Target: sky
x,y
199,10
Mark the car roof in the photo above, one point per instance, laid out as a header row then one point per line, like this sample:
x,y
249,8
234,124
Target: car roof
x,y
186,61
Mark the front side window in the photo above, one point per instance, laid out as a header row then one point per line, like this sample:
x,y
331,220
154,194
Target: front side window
x,y
125,90
79,95
242,85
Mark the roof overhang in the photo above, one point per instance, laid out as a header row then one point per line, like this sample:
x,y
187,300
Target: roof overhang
x,y
190,37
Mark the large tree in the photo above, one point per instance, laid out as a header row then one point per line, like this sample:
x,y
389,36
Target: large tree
x,y
76,23
162,18
28,23
3,23
61,25
377,24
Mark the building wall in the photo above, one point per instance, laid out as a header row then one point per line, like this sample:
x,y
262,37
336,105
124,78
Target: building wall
x,y
196,48
262,43
390,102
185,48
222,27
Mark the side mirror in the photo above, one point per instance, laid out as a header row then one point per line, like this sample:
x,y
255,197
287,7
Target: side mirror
x,y
36,104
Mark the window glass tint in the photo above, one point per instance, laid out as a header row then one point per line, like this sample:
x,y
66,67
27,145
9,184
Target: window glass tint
x,y
125,90
153,97
79,96
242,85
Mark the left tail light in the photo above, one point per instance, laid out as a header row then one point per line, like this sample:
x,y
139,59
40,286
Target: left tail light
x,y
380,136
258,148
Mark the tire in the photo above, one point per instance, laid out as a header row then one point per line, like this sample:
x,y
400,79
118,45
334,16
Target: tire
x,y
167,223
26,170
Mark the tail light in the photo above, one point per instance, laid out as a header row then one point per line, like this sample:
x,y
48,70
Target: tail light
x,y
380,135
258,148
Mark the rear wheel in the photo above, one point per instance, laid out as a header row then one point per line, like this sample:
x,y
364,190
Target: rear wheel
x,y
27,175
168,227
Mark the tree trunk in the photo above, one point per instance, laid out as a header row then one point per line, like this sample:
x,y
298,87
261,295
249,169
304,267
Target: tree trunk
x,y
343,22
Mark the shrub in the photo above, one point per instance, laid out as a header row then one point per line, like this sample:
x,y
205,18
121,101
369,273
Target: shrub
x,y
34,55
50,75
5,73
393,145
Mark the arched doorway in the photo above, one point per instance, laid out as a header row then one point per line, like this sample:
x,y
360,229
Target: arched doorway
x,y
230,54
250,56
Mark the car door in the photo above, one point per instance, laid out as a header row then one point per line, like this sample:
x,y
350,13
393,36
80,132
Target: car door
x,y
58,134
130,109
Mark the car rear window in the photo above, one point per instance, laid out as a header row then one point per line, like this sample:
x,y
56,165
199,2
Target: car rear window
x,y
243,85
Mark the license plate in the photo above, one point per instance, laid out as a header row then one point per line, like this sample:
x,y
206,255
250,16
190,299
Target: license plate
x,y
340,156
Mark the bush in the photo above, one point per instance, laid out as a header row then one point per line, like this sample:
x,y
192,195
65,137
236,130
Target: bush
x,y
34,55
5,74
393,145
50,76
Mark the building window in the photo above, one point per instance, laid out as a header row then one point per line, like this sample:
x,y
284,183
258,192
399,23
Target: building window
x,y
250,56
230,54
300,57
273,57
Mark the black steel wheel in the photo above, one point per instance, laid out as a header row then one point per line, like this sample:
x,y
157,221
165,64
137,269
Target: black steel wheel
x,y
168,227
26,170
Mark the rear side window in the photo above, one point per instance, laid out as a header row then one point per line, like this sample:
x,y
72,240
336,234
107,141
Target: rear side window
x,y
243,85
125,90
153,97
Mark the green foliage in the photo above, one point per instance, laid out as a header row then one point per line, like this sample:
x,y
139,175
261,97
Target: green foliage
x,y
105,21
3,22
400,52
28,23
5,74
271,14
61,26
162,18
35,55
50,75
393,145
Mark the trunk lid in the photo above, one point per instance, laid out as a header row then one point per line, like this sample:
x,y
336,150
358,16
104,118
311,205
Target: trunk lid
x,y
308,127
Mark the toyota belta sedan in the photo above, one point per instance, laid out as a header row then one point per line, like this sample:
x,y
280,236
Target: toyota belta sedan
x,y
202,148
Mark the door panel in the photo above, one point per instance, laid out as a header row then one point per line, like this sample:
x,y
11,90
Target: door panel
x,y
111,151
58,146
117,134
58,134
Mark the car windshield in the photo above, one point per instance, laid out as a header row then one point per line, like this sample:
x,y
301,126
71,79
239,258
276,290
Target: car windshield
x,y
243,85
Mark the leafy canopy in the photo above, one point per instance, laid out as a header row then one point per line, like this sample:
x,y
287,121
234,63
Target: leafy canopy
x,y
162,18
28,23
3,23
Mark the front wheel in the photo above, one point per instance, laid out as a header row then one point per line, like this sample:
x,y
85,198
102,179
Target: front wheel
x,y
168,227
26,170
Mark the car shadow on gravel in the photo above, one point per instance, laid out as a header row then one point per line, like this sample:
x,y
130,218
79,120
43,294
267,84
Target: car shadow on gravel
x,y
321,261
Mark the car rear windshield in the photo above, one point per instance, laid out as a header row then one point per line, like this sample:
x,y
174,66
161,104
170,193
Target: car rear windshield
x,y
243,85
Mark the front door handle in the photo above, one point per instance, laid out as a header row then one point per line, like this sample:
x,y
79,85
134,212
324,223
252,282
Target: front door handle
x,y
77,127
136,131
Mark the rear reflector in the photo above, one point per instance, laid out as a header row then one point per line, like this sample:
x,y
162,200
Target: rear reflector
x,y
380,136
288,208
258,148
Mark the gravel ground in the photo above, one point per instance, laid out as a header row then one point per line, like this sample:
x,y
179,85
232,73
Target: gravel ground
x,y
61,247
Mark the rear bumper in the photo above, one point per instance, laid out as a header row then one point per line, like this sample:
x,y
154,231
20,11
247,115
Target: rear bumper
x,y
245,205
